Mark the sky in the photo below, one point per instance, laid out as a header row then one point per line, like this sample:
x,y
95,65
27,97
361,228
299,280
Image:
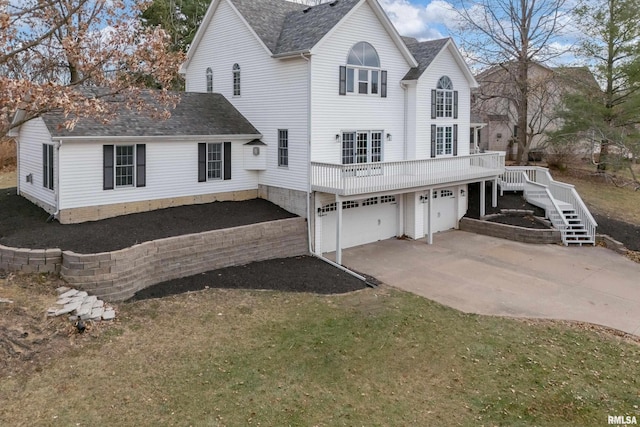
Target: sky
x,y
422,19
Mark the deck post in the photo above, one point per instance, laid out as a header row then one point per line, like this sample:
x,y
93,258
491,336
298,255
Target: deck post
x,y
429,217
494,193
338,230
482,198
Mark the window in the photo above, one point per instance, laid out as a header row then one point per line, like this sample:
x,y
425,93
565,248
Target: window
x,y
209,80
515,131
370,201
283,147
214,161
446,193
362,74
444,140
236,80
47,166
444,100
361,147
124,166
349,204
387,199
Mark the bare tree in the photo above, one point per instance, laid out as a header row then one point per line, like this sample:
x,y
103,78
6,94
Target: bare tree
x,y
512,35
48,48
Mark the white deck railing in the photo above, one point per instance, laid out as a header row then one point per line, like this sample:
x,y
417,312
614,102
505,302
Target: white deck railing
x,y
514,179
364,178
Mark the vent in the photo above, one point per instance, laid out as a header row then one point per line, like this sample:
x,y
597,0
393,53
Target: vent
x,y
333,3
306,9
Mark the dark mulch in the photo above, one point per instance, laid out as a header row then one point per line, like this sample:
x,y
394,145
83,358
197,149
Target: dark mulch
x,y
299,274
23,225
628,234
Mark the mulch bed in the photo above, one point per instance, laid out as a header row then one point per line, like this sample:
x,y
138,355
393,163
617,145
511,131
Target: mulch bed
x,y
24,225
526,221
628,234
299,274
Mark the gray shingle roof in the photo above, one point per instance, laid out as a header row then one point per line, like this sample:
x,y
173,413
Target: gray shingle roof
x,y
267,17
303,29
424,52
195,114
286,27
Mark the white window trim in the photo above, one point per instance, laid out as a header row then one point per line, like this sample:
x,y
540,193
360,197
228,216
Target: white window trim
x,y
221,177
355,146
286,150
115,167
444,141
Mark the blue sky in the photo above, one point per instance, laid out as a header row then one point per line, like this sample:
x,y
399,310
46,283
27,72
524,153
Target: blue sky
x,y
422,19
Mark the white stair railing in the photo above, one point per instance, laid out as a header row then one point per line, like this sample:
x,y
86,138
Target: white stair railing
x,y
519,178
554,213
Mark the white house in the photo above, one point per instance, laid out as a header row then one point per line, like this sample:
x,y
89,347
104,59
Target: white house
x,y
363,132
369,131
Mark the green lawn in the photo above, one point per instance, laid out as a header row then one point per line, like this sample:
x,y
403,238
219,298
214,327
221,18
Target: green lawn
x,y
374,357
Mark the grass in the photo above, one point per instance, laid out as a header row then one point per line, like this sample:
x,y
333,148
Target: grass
x,y
374,357
604,198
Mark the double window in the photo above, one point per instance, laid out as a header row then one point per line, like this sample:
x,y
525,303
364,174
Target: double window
x,y
444,100
361,147
209,80
124,166
47,166
236,80
362,74
214,161
444,140
283,147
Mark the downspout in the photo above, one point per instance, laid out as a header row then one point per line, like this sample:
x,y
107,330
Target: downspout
x,y
56,185
309,193
405,124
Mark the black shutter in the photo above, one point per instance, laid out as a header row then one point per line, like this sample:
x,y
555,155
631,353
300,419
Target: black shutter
x,y
455,140
107,162
455,104
51,163
45,161
433,103
202,162
141,165
227,160
342,87
383,84
433,140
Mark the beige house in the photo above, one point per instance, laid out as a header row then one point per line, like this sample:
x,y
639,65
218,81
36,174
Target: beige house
x,y
495,101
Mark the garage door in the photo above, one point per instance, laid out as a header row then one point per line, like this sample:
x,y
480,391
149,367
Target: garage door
x,y
363,221
444,211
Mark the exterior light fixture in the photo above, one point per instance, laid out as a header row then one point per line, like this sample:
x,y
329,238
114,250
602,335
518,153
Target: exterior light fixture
x,y
388,137
337,137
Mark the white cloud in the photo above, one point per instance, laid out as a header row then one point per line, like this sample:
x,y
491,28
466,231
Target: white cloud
x,y
416,21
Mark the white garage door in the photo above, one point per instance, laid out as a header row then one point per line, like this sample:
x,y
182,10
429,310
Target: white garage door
x,y
363,221
444,211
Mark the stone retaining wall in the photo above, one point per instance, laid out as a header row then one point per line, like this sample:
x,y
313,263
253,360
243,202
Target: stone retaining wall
x,y
30,260
611,243
510,232
118,275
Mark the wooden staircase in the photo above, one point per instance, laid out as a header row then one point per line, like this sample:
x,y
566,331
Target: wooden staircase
x,y
561,203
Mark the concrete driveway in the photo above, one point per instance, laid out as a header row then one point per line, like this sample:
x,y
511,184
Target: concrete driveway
x,y
485,275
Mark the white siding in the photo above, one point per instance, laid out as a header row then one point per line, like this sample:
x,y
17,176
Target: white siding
x,y
273,92
443,65
32,135
171,171
333,113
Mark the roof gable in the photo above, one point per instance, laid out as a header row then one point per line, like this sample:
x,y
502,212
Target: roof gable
x,y
426,53
303,29
285,28
203,114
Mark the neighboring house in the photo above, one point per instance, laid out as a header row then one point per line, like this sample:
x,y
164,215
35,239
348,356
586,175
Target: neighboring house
x,y
494,102
366,133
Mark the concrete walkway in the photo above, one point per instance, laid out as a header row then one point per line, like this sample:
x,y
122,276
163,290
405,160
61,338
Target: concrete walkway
x,y
485,275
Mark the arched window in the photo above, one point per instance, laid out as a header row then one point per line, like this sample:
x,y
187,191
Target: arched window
x,y
444,100
236,80
209,80
362,74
